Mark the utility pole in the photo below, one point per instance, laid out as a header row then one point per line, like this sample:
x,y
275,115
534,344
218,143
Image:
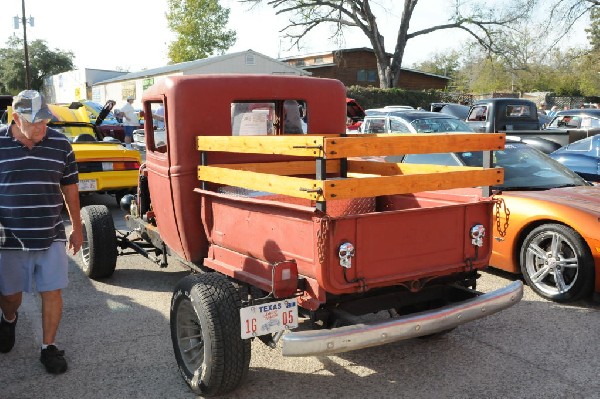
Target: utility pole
x,y
24,21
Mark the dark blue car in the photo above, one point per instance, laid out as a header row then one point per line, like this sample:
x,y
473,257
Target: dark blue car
x,y
582,157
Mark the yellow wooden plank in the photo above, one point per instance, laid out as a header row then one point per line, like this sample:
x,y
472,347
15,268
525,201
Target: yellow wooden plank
x,y
402,184
283,168
292,186
422,143
390,169
296,145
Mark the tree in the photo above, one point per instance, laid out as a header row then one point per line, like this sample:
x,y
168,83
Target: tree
x,y
482,23
43,62
200,28
593,32
441,63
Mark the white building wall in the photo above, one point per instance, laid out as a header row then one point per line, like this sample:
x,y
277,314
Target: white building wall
x,y
75,85
119,91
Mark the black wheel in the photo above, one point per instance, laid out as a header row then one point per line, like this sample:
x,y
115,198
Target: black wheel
x,y
120,194
99,248
205,330
556,263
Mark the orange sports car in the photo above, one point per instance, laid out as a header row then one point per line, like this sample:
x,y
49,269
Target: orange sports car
x,y
548,226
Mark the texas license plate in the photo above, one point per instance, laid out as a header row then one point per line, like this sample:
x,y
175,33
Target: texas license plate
x,y
269,318
87,185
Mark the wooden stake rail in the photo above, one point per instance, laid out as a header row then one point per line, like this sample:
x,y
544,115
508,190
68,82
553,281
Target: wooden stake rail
x,y
331,153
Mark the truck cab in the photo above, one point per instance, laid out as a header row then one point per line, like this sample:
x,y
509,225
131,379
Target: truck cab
x,y
519,117
503,115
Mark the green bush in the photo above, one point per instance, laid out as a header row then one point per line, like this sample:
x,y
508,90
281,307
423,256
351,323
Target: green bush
x,y
374,97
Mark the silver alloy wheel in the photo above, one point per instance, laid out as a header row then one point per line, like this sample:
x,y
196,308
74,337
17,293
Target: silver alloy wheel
x,y
189,336
551,263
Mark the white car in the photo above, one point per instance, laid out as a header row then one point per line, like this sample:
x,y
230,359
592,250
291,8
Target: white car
x,y
411,121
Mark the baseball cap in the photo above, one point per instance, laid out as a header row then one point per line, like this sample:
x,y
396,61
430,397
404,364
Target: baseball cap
x,y
130,98
31,106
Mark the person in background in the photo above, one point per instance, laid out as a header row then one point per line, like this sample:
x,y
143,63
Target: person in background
x,y
553,111
37,173
158,117
292,123
130,120
542,107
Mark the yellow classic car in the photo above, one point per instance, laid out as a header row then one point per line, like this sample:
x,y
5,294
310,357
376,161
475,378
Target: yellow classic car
x,y
105,167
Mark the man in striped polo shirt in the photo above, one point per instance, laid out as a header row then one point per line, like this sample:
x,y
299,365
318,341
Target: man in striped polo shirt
x,y
37,171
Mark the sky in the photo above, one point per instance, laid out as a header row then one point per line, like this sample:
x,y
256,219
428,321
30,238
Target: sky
x,y
132,35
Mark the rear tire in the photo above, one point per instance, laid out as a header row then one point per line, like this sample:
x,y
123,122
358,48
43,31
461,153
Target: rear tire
x,y
99,248
205,330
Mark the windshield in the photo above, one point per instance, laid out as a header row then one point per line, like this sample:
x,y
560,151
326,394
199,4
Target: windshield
x,y
440,125
526,168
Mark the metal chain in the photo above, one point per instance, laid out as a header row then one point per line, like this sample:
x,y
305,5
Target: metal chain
x,y
322,238
501,205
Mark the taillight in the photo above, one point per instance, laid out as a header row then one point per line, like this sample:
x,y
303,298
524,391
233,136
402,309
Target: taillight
x,y
129,165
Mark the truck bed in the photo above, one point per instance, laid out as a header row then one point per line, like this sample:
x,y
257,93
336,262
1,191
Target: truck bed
x,y
399,239
256,216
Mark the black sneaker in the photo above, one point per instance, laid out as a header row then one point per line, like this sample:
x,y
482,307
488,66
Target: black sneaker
x,y
7,334
54,360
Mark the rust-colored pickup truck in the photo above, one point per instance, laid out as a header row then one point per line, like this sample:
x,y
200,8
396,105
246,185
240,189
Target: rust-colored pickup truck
x,y
292,237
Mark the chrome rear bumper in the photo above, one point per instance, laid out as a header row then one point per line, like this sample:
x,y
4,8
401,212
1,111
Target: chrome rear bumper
x,y
358,336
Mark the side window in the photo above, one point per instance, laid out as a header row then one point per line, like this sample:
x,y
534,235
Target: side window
x,y
586,122
432,159
159,120
575,122
594,123
374,125
398,127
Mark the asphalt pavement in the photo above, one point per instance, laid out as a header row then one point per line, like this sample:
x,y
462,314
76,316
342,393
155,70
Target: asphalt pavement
x,y
117,341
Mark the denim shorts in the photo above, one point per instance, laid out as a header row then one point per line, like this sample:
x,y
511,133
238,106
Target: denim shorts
x,y
129,130
48,269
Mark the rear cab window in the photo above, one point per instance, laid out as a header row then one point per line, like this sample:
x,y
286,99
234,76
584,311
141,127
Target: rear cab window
x,y
250,118
478,113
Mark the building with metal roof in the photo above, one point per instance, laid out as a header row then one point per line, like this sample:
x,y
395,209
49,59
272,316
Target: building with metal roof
x,y
121,85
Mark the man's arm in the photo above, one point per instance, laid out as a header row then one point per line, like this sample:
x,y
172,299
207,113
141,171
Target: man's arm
x,y
71,196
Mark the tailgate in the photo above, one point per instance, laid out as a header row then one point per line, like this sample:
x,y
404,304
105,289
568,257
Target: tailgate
x,y
404,246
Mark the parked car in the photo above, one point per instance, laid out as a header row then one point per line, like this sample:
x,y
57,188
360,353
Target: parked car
x,y
582,157
411,121
105,167
109,126
587,118
552,234
355,115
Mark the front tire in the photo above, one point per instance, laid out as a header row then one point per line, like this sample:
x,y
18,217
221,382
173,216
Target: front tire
x,y
99,247
556,263
205,330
